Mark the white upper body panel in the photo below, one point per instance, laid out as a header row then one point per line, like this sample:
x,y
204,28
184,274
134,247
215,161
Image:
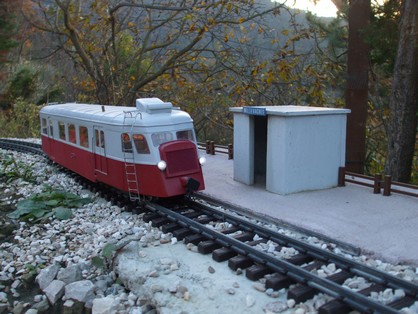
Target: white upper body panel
x,y
151,114
152,118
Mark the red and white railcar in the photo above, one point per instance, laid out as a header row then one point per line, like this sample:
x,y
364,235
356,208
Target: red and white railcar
x,y
149,150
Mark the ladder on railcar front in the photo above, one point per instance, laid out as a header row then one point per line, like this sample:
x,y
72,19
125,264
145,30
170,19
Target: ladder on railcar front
x,y
129,155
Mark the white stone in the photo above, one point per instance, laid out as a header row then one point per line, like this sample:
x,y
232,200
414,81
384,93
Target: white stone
x,y
107,305
46,276
54,291
3,297
249,300
79,290
291,303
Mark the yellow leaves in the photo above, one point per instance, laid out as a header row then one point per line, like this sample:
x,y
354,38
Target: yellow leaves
x,y
226,38
131,24
192,27
132,78
87,85
241,20
285,32
270,77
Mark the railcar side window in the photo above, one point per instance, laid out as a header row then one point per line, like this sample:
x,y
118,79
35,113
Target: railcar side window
x,y
160,138
84,136
44,126
96,136
126,143
141,144
61,128
71,133
100,140
185,135
51,128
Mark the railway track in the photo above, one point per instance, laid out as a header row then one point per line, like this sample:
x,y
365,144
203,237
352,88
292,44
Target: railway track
x,y
238,243
255,249
21,146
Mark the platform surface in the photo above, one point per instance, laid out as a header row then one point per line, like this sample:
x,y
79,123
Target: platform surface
x,y
385,227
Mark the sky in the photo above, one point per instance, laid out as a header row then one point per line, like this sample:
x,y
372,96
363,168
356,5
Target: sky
x,y
322,8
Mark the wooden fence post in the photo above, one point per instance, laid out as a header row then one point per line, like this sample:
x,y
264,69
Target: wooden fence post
x,y
212,147
341,176
386,185
377,183
230,151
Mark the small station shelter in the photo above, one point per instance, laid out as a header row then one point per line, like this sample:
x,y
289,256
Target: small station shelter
x,y
289,149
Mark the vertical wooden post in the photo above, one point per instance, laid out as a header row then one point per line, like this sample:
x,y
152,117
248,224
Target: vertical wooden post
x,y
377,183
230,151
341,176
212,147
208,147
386,185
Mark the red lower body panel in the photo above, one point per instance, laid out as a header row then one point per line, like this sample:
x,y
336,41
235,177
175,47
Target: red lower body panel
x,y
97,168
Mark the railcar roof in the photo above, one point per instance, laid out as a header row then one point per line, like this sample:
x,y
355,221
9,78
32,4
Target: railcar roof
x,y
115,114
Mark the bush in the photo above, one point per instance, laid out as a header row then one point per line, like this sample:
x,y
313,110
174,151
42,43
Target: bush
x,y
20,121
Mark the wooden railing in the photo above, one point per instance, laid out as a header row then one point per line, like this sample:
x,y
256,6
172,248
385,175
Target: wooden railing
x,y
212,149
379,183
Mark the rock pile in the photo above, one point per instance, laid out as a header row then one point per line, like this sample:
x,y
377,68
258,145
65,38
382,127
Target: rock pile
x,y
57,255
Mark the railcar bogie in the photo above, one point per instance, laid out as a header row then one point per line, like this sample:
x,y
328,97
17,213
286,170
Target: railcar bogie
x,y
149,150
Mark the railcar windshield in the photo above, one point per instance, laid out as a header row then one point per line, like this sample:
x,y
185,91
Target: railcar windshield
x,y
161,137
185,135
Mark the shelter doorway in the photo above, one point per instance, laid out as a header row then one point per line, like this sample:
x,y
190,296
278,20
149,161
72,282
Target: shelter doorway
x,y
260,150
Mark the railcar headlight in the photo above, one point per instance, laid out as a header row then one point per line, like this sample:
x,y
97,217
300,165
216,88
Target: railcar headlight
x,y
162,165
202,160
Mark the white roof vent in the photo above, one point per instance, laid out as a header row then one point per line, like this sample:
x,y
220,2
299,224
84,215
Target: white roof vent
x,y
153,105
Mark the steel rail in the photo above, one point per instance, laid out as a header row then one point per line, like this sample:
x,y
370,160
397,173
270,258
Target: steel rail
x,y
21,146
353,299
313,251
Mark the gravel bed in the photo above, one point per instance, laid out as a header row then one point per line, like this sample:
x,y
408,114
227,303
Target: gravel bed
x,y
50,265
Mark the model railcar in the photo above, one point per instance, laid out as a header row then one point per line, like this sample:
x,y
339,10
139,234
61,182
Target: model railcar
x,y
149,150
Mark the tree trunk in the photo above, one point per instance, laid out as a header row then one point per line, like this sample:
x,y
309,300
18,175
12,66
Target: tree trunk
x,y
357,85
402,125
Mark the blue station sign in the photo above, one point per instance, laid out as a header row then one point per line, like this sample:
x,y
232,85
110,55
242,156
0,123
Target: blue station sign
x,y
255,111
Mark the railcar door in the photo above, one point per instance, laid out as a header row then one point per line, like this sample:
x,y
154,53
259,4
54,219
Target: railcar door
x,y
99,144
49,132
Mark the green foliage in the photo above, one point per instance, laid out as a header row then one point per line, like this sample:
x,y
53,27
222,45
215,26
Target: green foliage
x,y
34,83
382,34
8,29
105,260
12,170
98,262
23,83
20,121
50,203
